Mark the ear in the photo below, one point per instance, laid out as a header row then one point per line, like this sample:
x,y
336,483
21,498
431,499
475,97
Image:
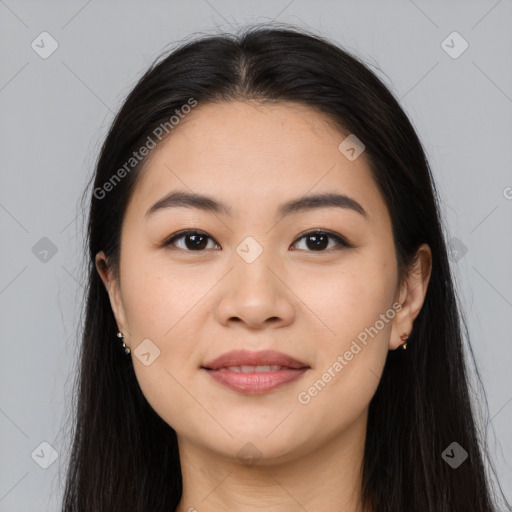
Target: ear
x,y
411,296
113,289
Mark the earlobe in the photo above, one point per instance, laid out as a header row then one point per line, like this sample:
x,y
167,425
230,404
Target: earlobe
x,y
402,323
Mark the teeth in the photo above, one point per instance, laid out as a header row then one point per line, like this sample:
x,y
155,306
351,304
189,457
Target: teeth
x,y
249,369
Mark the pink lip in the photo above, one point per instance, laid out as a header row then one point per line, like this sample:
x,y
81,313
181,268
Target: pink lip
x,y
255,382
247,358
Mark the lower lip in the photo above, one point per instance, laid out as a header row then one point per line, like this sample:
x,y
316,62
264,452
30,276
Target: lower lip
x,y
255,383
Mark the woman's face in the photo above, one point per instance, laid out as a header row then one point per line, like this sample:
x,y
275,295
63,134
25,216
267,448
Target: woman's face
x,y
255,281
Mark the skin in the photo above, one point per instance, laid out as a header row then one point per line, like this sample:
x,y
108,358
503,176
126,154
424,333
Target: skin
x,y
308,303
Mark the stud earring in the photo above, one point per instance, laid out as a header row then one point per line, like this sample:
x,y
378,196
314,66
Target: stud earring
x,y
126,349
404,337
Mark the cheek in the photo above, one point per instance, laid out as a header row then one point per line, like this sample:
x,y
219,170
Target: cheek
x,y
170,308
156,297
357,314
349,299
164,309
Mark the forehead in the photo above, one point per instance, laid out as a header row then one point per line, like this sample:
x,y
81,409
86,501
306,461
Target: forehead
x,y
247,154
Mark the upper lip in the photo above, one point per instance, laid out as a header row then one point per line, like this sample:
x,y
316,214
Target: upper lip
x,y
247,358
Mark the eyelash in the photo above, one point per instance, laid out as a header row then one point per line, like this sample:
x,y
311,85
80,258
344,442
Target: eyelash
x,y
342,243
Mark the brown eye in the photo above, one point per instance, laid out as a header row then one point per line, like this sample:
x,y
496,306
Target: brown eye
x,y
193,240
318,241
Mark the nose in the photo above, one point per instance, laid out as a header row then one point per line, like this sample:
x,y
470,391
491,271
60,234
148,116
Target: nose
x,y
255,294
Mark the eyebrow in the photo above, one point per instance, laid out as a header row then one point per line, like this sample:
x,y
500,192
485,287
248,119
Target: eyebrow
x,y
208,204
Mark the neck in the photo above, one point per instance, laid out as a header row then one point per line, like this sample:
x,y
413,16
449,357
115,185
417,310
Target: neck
x,y
326,478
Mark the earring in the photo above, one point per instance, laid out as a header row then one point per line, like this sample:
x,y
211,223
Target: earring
x,y
126,349
404,337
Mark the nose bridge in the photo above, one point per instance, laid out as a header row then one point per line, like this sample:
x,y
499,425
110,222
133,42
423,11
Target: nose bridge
x,y
252,270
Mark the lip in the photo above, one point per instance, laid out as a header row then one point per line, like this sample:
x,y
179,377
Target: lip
x,y
255,382
260,358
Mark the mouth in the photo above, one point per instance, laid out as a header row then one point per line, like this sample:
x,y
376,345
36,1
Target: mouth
x,y
251,369
255,372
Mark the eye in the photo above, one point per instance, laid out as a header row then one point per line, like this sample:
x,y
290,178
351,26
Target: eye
x,y
318,240
194,240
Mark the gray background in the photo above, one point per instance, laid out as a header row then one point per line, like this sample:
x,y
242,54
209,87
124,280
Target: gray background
x,y
55,112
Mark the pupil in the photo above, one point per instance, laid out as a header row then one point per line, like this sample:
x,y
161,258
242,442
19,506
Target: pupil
x,y
197,243
320,241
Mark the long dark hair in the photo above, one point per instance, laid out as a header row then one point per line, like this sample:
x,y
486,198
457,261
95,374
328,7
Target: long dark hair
x,y
124,457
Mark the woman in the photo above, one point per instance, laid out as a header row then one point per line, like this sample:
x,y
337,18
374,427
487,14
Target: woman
x,y
271,321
